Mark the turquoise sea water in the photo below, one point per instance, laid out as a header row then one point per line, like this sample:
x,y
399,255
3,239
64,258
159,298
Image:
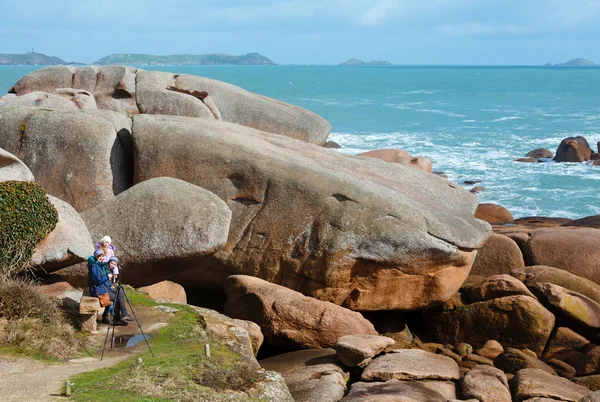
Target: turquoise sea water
x,y
472,122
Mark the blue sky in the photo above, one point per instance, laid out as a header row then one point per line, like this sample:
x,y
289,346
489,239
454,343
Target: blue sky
x,y
309,31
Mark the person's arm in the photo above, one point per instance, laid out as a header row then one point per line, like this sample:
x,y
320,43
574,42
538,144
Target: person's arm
x,y
99,277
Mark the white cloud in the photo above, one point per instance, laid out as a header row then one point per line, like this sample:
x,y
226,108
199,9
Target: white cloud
x,y
479,29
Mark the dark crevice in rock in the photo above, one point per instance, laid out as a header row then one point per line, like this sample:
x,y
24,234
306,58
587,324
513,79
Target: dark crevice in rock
x,y
246,201
342,197
121,161
12,90
247,230
121,94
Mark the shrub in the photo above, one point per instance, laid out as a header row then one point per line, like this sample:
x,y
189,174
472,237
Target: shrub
x,y
22,298
26,217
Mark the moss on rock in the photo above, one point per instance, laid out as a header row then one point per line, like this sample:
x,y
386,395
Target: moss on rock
x,y
26,217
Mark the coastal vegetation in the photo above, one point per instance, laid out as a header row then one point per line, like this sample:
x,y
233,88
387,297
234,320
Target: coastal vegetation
x,y
185,59
30,58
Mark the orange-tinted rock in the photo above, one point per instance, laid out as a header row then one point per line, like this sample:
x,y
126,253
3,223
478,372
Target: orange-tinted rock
x,y
528,160
573,305
499,255
399,156
573,149
576,250
494,287
588,221
539,153
166,290
541,221
493,213
564,339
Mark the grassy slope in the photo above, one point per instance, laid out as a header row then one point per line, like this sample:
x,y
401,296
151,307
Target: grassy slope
x,y
176,371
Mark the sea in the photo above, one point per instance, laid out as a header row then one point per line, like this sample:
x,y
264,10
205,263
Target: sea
x,y
472,122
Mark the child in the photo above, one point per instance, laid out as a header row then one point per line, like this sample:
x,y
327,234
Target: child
x,y
108,249
113,266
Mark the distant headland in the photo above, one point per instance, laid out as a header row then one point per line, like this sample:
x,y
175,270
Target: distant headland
x,y
357,62
185,59
578,62
30,58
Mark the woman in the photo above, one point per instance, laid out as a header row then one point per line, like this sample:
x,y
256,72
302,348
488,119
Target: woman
x,y
99,284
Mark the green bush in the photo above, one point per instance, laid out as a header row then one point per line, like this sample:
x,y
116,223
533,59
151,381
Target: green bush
x,y
26,217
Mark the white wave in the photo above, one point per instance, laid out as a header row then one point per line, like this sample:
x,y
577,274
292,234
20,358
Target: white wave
x,y
506,118
469,121
416,92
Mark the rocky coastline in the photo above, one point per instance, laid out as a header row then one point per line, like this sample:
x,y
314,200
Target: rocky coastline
x,y
367,278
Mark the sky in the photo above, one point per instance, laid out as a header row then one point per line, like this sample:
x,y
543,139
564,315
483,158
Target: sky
x,y
473,32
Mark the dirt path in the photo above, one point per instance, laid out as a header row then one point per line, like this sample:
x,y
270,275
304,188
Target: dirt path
x,y
24,379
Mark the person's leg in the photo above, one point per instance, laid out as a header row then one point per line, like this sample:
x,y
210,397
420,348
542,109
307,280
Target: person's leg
x,y
120,305
115,309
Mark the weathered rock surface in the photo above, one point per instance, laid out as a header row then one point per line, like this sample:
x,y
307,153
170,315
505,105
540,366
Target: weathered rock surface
x,y
573,305
401,391
593,397
69,243
514,321
486,384
311,375
588,221
491,349
399,156
532,383
592,382
539,273
64,99
357,350
132,91
539,153
493,213
564,339
499,255
494,287
371,235
11,168
158,227
528,160
167,291
289,319
97,168
576,250
573,149
513,360
411,364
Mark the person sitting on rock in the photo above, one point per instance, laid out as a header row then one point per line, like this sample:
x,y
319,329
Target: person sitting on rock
x,y
99,284
108,249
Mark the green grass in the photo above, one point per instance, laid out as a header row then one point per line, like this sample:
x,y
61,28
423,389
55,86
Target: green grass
x,y
179,370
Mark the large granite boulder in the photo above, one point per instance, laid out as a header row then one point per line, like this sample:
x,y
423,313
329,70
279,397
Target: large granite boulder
x,y
289,319
158,227
78,157
131,91
365,234
573,149
411,364
499,255
564,339
539,273
494,287
165,291
486,384
514,321
576,250
63,99
68,244
513,360
11,168
535,383
311,375
401,391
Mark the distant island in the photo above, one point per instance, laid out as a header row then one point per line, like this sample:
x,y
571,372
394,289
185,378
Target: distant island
x,y
186,59
356,62
579,62
30,59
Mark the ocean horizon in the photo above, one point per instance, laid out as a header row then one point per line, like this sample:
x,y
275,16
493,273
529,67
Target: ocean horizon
x,y
471,121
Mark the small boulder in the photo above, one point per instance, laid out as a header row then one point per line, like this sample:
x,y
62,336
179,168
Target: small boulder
x,y
499,255
576,250
477,189
573,305
399,156
289,319
11,168
527,160
591,362
491,349
562,369
591,381
514,321
493,213
357,350
68,244
166,291
494,287
535,383
539,273
332,145
573,149
311,375
564,339
401,391
539,153
411,364
513,360
486,384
